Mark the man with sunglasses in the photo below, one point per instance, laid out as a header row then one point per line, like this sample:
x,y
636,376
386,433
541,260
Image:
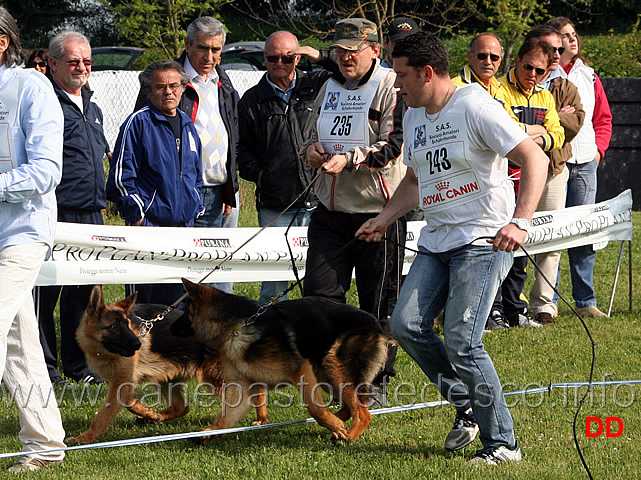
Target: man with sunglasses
x,y
571,116
534,108
273,119
357,142
484,55
526,101
80,196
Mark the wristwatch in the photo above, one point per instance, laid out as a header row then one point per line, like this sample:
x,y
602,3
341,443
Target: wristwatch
x,y
522,223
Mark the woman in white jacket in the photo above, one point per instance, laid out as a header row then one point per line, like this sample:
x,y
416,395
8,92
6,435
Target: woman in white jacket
x,y
588,149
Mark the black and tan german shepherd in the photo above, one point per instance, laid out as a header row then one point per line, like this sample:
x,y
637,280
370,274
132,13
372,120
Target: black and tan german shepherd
x,y
307,342
108,336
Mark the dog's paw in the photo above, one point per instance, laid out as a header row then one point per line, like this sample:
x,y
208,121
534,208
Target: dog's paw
x,y
82,439
204,440
260,422
147,420
340,435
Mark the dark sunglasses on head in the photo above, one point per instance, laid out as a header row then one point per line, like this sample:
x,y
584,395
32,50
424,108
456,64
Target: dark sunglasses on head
x,y
493,56
285,59
40,64
528,68
558,49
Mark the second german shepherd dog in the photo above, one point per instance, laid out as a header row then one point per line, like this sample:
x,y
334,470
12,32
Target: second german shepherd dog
x,y
307,342
108,336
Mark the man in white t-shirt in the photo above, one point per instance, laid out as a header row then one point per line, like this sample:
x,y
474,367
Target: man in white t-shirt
x,y
456,140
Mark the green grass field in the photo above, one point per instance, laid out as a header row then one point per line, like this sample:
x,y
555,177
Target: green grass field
x,y
404,445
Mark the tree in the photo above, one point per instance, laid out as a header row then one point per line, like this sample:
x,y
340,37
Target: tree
x,y
317,17
37,18
160,25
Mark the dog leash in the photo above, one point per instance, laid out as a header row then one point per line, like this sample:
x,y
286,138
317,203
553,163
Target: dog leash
x,y
298,282
147,325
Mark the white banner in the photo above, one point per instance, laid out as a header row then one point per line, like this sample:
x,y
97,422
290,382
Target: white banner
x,y
90,254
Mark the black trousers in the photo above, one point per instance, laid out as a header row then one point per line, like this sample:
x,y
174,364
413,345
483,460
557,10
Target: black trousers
x,y
508,299
73,302
160,293
333,254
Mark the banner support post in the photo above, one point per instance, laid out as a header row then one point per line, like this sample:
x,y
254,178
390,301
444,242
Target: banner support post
x,y
630,275
616,277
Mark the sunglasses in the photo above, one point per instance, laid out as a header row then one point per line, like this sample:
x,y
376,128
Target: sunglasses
x,y
558,49
74,63
493,56
285,59
528,68
40,64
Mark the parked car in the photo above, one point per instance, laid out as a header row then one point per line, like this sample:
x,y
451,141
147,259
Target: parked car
x,y
250,56
243,56
114,58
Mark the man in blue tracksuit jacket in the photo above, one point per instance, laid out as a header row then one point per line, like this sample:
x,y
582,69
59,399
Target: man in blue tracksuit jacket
x,y
148,180
155,174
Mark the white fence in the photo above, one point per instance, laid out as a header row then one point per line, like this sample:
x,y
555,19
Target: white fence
x,y
116,92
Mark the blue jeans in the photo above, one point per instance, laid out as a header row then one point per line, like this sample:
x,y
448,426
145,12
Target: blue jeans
x,y
268,290
463,282
582,191
213,203
213,218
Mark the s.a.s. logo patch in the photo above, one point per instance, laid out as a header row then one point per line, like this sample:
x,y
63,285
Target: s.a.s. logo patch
x,y
420,137
332,101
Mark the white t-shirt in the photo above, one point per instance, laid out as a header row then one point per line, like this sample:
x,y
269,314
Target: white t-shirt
x,y
458,156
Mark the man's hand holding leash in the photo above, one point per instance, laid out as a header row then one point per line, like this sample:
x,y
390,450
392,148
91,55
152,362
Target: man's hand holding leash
x,y
318,158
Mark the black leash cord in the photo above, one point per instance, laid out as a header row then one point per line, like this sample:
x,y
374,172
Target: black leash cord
x,y
592,364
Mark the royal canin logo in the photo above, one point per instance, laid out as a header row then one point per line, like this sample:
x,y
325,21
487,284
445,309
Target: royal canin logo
x,y
339,148
442,186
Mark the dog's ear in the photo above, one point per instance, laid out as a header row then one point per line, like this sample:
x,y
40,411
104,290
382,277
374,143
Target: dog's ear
x,y
128,302
96,300
195,290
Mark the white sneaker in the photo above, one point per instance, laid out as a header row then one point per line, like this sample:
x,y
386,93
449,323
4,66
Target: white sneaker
x,y
527,322
496,455
463,432
29,463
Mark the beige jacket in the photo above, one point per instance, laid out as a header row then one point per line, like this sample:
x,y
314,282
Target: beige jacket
x,y
373,173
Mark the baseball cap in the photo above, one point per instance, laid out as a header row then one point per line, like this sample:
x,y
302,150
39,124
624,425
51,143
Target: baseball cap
x,y
352,32
401,27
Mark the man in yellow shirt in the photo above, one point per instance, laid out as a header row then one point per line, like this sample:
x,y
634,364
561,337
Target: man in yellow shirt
x,y
484,55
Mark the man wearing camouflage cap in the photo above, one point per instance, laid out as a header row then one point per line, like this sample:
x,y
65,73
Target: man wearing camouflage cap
x,y
357,141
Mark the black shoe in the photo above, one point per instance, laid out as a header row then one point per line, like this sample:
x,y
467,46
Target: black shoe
x,y
88,377
58,381
496,321
91,379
